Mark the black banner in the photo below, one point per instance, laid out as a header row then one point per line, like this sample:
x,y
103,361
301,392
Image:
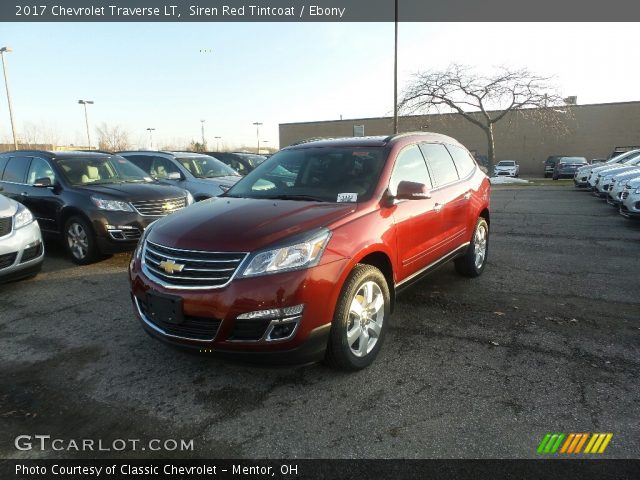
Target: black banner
x,y
317,10
320,469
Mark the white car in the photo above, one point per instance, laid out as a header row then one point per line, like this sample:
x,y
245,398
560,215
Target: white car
x,y
630,206
618,184
604,177
613,163
21,247
508,168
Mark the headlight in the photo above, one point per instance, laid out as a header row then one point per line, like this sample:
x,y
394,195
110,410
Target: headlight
x,y
189,198
293,257
23,217
111,205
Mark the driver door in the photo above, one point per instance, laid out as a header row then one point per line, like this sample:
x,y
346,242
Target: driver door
x,y
418,222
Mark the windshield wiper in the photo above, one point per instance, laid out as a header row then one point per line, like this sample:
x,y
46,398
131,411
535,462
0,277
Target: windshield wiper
x,y
310,198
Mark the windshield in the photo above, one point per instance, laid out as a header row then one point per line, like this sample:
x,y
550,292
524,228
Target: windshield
x,y
573,160
100,170
206,167
315,174
506,163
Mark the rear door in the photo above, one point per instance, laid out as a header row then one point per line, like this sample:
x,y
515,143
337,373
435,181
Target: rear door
x,y
13,177
418,222
452,196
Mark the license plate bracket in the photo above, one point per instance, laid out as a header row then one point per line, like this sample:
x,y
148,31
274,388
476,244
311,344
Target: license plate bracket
x,y
163,308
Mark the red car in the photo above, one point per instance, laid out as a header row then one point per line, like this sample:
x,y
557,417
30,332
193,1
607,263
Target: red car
x,y
302,259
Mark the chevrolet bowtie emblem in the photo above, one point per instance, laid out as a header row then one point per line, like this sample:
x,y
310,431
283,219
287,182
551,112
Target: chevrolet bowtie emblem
x,y
166,206
170,266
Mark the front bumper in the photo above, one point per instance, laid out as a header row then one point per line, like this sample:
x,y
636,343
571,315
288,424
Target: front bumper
x,y
316,288
630,206
118,231
21,253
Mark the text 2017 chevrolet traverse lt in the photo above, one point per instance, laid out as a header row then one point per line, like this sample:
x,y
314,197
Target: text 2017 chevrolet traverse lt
x,y
302,258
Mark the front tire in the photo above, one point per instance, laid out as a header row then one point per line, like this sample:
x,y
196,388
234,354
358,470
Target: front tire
x,y
472,263
80,241
360,320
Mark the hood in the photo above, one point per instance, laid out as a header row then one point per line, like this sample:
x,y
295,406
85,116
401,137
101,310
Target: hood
x,y
133,192
243,225
634,182
610,172
505,167
8,207
227,181
617,171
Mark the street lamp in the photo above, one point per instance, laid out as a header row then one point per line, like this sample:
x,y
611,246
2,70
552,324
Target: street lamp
x,y
217,143
4,50
86,118
257,124
150,130
202,122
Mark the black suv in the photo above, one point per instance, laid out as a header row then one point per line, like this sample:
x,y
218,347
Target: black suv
x,y
242,163
96,203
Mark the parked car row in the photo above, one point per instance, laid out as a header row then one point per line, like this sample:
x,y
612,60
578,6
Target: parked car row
x,y
616,180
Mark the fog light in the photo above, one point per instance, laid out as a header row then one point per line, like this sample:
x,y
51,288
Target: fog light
x,y
273,313
282,330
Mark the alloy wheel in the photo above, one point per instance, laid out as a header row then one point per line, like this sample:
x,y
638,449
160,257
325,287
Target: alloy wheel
x,y
480,245
78,241
366,314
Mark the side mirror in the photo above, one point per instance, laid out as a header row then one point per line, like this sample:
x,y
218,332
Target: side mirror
x,y
43,182
173,176
412,191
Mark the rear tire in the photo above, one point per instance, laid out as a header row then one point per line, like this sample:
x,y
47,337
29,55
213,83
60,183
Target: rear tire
x,y
472,263
360,320
80,241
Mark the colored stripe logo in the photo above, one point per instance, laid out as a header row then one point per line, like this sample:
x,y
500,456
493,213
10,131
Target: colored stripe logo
x,y
573,443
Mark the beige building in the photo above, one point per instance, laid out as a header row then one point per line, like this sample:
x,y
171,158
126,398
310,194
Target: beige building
x,y
590,131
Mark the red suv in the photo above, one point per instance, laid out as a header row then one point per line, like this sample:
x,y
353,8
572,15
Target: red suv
x,y
302,259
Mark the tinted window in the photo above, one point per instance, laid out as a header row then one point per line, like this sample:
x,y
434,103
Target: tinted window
x,y
463,160
441,165
141,161
321,173
40,168
16,169
409,167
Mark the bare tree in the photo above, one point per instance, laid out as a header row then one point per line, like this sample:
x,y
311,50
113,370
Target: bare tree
x,y
484,100
113,138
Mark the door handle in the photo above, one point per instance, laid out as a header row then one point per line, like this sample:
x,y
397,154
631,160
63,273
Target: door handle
x,y
437,207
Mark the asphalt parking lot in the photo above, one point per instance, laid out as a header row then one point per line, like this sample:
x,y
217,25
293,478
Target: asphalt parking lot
x,y
547,340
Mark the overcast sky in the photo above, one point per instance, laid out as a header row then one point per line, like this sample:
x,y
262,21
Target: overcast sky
x,y
170,76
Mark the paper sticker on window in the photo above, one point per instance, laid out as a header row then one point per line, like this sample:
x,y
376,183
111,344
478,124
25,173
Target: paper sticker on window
x,y
347,197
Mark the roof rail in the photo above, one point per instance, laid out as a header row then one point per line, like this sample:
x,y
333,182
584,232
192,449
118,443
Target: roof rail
x,y
312,139
403,134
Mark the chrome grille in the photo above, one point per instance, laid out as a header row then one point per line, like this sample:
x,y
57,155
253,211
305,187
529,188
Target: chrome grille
x,y
197,269
6,224
160,208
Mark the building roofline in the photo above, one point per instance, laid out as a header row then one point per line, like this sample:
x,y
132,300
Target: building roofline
x,y
362,119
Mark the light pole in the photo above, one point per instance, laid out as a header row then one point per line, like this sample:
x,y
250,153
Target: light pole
x,y
86,118
217,143
4,50
395,75
257,124
203,142
150,130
